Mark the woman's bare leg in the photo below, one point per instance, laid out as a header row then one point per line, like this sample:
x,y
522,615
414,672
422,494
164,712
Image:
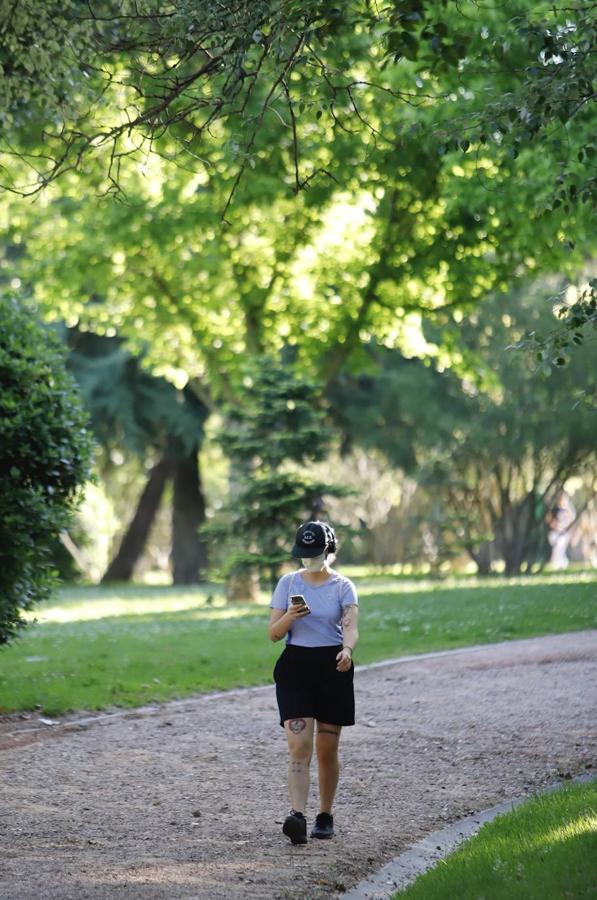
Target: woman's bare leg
x,y
299,733
328,764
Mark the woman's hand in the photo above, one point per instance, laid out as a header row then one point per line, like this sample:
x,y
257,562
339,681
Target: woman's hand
x,y
280,622
344,659
297,611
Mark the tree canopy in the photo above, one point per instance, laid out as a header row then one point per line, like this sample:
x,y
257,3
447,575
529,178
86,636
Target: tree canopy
x,y
219,183
492,445
199,82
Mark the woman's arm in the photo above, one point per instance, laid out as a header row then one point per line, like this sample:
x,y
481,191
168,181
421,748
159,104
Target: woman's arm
x,y
280,622
277,627
350,632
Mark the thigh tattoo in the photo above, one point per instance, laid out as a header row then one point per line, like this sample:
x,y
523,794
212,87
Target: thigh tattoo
x,y
297,725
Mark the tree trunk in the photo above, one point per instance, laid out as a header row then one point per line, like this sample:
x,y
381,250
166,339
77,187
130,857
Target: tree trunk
x,y
189,554
514,534
133,543
243,586
319,511
481,554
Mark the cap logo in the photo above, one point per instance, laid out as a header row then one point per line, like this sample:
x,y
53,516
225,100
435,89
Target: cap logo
x,y
308,537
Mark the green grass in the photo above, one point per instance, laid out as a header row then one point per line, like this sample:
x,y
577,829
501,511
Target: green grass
x,y
546,849
97,647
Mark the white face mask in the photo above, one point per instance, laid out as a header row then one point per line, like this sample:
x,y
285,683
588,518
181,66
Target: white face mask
x,y
315,564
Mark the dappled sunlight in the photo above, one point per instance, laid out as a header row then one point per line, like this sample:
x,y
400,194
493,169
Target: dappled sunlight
x,y
585,824
499,841
208,602
86,612
389,584
87,605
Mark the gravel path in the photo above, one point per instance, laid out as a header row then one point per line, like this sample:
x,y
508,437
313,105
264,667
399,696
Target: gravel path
x,y
185,800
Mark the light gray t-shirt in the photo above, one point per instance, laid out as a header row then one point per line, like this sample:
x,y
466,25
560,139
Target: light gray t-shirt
x,y
323,627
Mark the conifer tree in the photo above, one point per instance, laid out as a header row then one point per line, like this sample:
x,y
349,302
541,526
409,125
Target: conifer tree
x,y
271,435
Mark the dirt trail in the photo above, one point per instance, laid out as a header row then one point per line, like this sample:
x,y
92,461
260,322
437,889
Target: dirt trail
x,y
186,801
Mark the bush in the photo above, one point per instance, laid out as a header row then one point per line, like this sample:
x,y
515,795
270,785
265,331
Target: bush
x,y
45,454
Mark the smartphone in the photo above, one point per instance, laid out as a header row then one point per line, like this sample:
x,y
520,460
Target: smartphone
x,y
298,600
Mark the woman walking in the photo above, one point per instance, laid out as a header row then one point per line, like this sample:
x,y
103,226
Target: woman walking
x,y
315,609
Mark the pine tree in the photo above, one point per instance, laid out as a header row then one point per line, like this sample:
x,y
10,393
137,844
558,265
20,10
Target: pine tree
x,y
271,435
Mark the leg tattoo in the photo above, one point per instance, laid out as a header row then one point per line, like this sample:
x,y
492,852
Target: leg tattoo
x,y
297,725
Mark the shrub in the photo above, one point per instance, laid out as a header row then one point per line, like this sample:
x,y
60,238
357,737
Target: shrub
x,y
45,452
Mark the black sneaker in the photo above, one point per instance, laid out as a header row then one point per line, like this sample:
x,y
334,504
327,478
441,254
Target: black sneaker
x,y
295,827
324,826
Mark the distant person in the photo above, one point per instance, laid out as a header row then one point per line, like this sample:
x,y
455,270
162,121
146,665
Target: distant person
x,y
315,609
560,521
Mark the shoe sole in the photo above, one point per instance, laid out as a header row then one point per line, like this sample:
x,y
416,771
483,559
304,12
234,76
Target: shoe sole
x,y
322,837
292,829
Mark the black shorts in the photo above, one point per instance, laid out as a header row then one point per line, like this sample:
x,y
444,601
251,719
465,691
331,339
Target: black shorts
x,y
308,685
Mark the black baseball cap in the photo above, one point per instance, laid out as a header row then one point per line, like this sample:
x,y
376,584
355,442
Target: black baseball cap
x,y
313,539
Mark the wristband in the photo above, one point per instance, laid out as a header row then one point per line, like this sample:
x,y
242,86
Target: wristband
x,y
348,648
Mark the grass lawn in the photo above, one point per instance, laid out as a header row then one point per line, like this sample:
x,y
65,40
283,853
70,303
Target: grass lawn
x,y
546,849
97,647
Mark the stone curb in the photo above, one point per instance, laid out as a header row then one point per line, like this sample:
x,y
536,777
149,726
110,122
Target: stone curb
x,y
423,855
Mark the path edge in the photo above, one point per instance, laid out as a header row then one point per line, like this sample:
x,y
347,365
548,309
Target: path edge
x,y
60,726
405,868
